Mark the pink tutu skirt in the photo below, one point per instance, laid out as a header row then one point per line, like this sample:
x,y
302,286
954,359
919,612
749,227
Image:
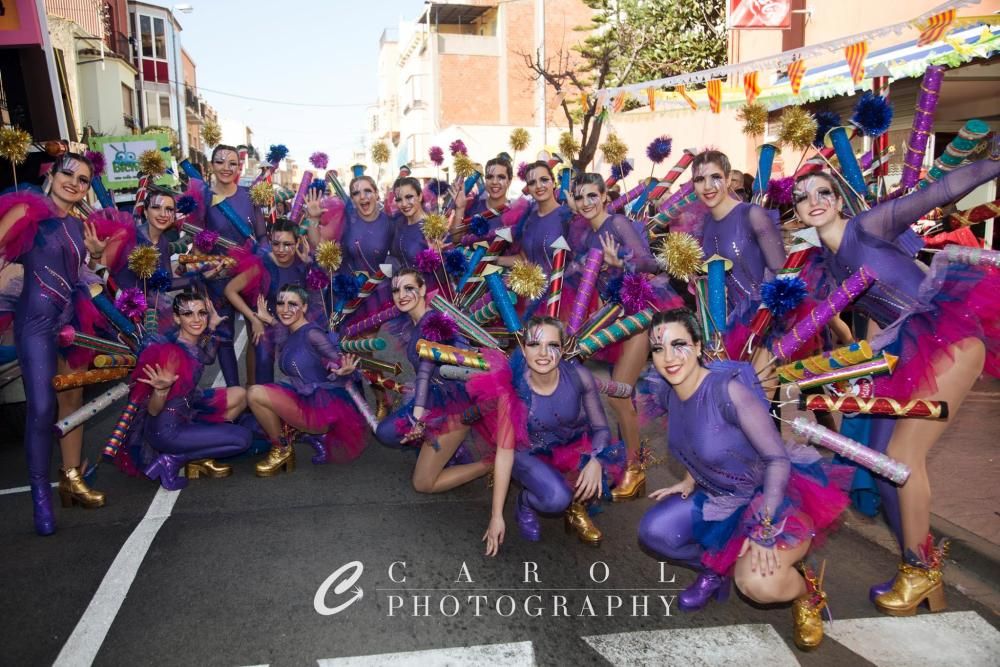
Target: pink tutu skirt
x,y
326,410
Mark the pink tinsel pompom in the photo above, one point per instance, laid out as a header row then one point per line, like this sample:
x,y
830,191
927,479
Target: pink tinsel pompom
x,y
438,328
205,240
428,260
132,303
636,292
522,171
779,191
317,279
97,159
319,160
436,155
65,336
458,146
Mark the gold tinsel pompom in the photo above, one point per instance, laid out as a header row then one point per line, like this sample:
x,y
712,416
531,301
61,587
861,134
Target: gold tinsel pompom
x,y
680,255
519,139
211,133
568,146
754,117
262,194
435,227
614,150
526,279
14,144
143,261
463,165
329,256
152,163
798,128
380,152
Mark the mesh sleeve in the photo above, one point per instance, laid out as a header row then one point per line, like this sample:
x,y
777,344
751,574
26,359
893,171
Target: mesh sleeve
x,y
641,259
768,238
259,225
422,382
322,344
600,433
754,419
889,220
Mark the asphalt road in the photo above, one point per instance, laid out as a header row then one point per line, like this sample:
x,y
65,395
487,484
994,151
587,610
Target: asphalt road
x,y
226,572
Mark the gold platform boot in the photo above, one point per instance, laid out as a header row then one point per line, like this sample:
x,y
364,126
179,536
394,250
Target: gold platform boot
x,y
632,486
74,491
807,611
381,404
208,468
578,521
919,579
280,456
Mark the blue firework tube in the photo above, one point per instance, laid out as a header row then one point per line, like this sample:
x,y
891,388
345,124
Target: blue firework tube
x,y
231,215
477,257
717,295
120,322
640,203
103,196
502,301
471,180
764,163
849,166
564,179
190,170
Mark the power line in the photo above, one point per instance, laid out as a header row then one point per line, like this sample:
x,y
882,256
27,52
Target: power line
x,y
200,88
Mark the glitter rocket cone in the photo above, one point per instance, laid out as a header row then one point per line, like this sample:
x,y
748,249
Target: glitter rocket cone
x,y
92,409
585,291
878,463
881,365
826,362
63,381
475,285
448,354
558,273
916,407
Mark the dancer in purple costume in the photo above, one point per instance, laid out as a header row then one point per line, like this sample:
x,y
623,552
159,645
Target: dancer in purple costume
x,y
499,174
432,420
182,421
750,505
744,233
944,325
408,238
285,261
546,221
226,170
565,456
51,244
312,399
626,256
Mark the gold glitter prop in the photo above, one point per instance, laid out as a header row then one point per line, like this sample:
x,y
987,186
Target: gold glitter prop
x,y
798,128
329,256
754,117
143,261
526,279
680,255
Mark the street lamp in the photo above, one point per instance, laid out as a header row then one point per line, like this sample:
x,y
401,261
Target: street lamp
x,y
184,9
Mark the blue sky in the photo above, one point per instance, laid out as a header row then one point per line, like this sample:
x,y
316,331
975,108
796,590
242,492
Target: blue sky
x,y
320,53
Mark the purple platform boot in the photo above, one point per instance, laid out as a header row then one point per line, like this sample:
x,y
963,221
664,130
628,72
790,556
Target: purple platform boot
x,y
165,468
527,519
461,456
706,586
318,445
41,501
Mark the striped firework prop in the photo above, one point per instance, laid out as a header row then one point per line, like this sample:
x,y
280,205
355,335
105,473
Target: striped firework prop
x,y
63,381
884,364
356,345
120,431
379,380
916,407
468,326
971,216
624,328
936,27
796,70
380,366
114,361
855,54
448,354
91,408
70,336
957,151
849,355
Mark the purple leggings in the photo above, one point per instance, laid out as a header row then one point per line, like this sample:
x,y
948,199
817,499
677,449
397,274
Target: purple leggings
x,y
666,530
878,439
545,490
193,440
35,341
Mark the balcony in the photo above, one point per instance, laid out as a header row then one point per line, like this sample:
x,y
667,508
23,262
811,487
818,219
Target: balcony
x,y
129,122
468,45
194,106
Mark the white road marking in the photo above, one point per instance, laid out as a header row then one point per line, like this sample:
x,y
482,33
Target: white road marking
x,y
955,638
82,646
518,653
735,645
22,489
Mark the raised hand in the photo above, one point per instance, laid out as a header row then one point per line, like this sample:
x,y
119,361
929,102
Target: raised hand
x,y
611,247
158,378
94,245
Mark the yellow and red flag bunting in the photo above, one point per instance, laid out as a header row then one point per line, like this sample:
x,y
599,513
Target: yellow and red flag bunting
x,y
687,98
651,94
715,95
796,70
619,102
751,87
584,102
855,54
935,27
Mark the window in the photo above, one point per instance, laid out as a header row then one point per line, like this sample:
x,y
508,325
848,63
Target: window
x,y
146,34
128,107
164,110
158,109
153,38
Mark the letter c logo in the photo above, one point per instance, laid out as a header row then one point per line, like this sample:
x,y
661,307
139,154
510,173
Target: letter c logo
x,y
319,602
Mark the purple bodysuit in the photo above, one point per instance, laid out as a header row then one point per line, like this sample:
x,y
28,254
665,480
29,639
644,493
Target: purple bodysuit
x,y
536,233
366,244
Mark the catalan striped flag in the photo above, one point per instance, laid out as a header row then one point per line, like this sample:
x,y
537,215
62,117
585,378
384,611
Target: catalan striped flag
x,y
619,102
936,27
687,98
796,71
751,87
855,54
715,95
651,94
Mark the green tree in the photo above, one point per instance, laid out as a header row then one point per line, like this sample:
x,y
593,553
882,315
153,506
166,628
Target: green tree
x,y
629,41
